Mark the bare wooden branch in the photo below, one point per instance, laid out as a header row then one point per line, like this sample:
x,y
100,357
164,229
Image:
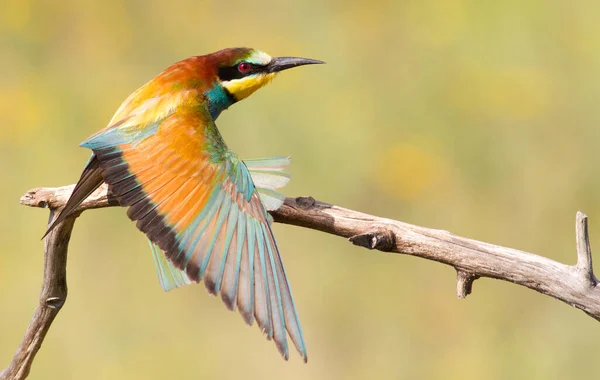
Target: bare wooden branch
x,y
575,285
52,298
54,286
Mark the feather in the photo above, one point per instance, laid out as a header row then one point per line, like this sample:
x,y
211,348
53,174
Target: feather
x,y
271,163
231,272
169,276
268,175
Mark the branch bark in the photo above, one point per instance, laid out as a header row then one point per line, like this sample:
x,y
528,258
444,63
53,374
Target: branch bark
x,y
575,285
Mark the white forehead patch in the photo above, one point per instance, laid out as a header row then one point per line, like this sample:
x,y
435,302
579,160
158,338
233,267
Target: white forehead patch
x,y
259,58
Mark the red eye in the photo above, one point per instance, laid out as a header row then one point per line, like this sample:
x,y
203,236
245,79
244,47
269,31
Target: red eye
x,y
244,67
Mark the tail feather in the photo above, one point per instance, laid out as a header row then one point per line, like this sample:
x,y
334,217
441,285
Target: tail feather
x,y
90,180
268,175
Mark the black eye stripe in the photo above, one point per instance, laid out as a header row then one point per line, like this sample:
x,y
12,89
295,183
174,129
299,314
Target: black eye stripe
x,y
232,72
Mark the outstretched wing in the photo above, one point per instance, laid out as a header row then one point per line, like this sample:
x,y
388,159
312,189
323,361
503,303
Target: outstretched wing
x,y
197,202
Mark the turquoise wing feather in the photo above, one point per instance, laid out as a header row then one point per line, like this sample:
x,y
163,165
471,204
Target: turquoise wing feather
x,y
169,276
235,252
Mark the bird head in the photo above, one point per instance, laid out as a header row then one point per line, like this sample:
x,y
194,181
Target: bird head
x,y
220,79
238,72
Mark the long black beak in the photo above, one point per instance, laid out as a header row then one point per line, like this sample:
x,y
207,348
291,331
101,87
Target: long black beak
x,y
283,63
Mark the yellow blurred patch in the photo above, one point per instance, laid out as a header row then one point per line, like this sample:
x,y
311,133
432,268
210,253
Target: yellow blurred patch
x,y
22,114
518,93
407,170
15,15
436,23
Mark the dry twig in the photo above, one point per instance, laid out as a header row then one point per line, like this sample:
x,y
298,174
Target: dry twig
x,y
575,285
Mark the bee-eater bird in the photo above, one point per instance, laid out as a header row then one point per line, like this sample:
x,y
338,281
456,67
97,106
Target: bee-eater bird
x,y
203,209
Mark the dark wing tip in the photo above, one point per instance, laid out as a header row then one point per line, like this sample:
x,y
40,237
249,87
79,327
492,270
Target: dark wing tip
x,y
303,354
210,285
48,231
192,272
282,347
247,316
228,301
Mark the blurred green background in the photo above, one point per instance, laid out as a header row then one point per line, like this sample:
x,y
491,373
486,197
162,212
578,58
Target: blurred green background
x,y
480,118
